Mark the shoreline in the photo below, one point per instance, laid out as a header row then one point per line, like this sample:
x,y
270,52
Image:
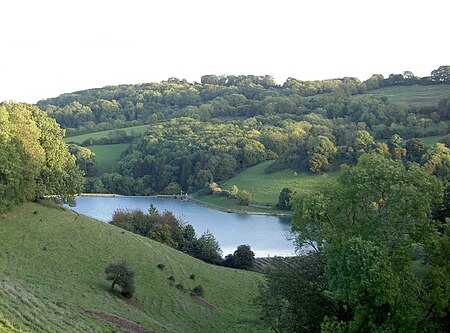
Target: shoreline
x,y
184,198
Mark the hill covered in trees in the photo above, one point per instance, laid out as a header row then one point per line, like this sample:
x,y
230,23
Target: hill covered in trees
x,y
206,132
214,97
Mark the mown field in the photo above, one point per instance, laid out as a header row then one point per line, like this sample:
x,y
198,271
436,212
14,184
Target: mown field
x,y
107,155
265,188
414,95
52,280
105,134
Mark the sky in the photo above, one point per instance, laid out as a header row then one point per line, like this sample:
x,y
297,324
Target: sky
x,y
50,47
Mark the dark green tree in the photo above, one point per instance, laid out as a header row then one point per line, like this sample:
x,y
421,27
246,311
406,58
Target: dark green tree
x,y
284,199
415,149
173,188
294,297
121,275
208,249
243,257
384,254
441,75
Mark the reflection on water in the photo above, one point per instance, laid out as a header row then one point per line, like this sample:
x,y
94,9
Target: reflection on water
x,y
267,235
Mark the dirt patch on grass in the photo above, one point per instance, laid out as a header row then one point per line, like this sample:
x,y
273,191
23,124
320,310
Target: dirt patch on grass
x,y
207,304
119,321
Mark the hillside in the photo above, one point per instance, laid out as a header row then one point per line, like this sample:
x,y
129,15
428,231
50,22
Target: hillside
x,y
265,187
52,280
208,131
414,95
133,130
107,155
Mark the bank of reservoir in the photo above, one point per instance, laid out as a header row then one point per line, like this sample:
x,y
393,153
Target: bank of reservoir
x,y
267,235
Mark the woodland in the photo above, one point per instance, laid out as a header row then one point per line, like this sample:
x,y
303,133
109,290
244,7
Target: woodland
x,y
206,132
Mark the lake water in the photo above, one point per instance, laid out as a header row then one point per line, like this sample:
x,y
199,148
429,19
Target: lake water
x,y
267,235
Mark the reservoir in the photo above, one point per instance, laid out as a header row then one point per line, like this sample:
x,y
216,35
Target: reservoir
x,y
267,235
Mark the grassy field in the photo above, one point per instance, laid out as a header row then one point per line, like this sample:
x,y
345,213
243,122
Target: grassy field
x,y
427,140
431,140
265,188
414,95
107,155
105,134
52,280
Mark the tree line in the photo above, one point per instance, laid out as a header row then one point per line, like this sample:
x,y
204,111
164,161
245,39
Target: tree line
x,y
167,229
215,96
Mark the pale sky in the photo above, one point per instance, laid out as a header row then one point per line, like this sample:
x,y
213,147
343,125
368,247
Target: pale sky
x,y
50,47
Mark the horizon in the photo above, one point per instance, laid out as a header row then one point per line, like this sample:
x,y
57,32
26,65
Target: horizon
x,y
52,47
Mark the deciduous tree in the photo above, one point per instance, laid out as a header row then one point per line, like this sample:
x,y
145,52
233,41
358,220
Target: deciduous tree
x,y
384,254
121,275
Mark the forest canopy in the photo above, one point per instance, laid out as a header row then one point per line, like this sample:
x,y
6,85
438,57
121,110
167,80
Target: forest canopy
x,y
203,132
218,96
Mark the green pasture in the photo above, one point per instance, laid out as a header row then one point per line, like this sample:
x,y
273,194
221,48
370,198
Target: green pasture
x,y
265,187
106,134
414,95
431,140
52,280
107,155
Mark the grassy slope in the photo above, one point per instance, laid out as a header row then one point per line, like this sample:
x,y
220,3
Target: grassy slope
x,y
51,272
105,134
265,187
431,140
414,95
107,155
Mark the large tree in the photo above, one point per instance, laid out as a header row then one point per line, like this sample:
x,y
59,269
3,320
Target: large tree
x,y
293,299
35,161
441,75
385,256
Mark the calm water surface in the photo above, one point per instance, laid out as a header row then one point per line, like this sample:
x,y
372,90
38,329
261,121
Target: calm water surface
x,y
267,235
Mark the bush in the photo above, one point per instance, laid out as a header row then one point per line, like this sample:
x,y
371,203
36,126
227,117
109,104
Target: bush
x,y
198,291
173,189
234,191
192,276
242,258
217,191
244,197
120,274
